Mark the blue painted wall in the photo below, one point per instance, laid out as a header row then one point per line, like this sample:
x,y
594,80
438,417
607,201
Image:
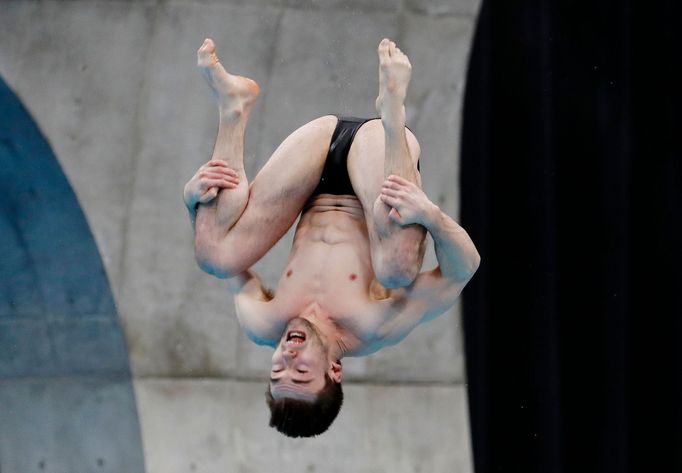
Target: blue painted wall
x,y
66,398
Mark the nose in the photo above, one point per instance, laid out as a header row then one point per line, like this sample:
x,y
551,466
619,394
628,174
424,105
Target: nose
x,y
289,355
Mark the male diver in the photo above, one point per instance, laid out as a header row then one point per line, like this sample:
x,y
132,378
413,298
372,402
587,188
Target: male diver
x,y
352,284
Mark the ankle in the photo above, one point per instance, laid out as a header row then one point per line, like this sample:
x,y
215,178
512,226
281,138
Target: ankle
x,y
232,114
393,118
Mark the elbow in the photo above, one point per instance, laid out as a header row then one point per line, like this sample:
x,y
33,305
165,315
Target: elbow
x,y
473,263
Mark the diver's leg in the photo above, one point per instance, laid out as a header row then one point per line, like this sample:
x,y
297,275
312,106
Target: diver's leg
x,y
382,148
236,96
237,228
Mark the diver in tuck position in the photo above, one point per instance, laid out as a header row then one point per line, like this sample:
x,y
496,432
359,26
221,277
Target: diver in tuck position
x,y
352,284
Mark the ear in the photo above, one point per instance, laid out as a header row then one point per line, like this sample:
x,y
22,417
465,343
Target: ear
x,y
335,371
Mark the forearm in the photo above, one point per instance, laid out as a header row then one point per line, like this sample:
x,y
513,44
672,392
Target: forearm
x,y
457,256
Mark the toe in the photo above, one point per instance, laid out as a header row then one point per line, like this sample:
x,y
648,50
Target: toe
x,y
391,48
208,46
383,49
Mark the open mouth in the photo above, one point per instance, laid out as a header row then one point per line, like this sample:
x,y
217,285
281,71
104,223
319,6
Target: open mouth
x,y
296,336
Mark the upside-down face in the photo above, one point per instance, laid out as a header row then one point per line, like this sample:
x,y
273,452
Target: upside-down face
x,y
299,363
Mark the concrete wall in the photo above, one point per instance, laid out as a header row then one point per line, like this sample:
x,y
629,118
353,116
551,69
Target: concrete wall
x,y
113,85
66,397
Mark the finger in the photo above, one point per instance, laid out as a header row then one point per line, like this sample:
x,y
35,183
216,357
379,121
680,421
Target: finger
x,y
395,187
218,175
390,185
398,180
213,174
389,200
395,216
219,166
208,165
391,192
211,181
221,183
209,195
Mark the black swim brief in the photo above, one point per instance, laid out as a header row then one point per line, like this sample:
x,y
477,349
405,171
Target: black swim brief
x,y
335,179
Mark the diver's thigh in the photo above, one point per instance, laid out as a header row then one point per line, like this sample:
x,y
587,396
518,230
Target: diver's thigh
x,y
293,171
366,161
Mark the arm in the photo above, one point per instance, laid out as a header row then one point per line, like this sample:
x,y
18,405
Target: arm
x,y
433,292
456,253
457,256
206,184
256,313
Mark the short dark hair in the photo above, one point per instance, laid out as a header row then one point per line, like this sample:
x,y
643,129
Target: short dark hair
x,y
298,418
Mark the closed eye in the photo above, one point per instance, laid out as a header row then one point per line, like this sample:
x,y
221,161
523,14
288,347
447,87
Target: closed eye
x,y
296,381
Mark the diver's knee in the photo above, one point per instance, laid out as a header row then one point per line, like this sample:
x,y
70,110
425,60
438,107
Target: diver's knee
x,y
215,260
397,272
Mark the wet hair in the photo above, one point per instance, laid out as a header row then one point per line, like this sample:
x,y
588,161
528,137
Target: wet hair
x,y
298,418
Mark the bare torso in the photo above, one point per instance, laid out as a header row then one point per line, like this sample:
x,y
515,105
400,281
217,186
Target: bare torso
x,y
329,273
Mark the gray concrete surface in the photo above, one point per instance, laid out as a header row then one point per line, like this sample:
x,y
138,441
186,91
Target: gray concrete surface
x,y
69,425
66,397
114,87
190,426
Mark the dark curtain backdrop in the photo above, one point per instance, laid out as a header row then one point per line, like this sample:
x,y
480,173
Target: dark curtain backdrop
x,y
571,189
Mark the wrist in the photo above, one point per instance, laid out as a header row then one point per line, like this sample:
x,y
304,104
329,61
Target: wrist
x,y
431,216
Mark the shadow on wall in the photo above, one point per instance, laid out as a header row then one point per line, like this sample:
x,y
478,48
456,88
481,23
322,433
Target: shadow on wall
x,y
66,399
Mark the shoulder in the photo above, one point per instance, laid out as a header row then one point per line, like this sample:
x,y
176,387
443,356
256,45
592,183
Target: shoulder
x,y
259,320
256,309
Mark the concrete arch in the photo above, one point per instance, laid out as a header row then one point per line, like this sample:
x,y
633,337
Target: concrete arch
x,y
66,397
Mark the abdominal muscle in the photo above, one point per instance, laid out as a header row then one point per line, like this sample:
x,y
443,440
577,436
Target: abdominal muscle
x,y
330,268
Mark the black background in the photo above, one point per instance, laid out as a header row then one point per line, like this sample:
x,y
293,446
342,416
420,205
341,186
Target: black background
x,y
571,190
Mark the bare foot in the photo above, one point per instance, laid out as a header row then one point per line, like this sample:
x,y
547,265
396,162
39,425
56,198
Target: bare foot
x,y
236,94
394,77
